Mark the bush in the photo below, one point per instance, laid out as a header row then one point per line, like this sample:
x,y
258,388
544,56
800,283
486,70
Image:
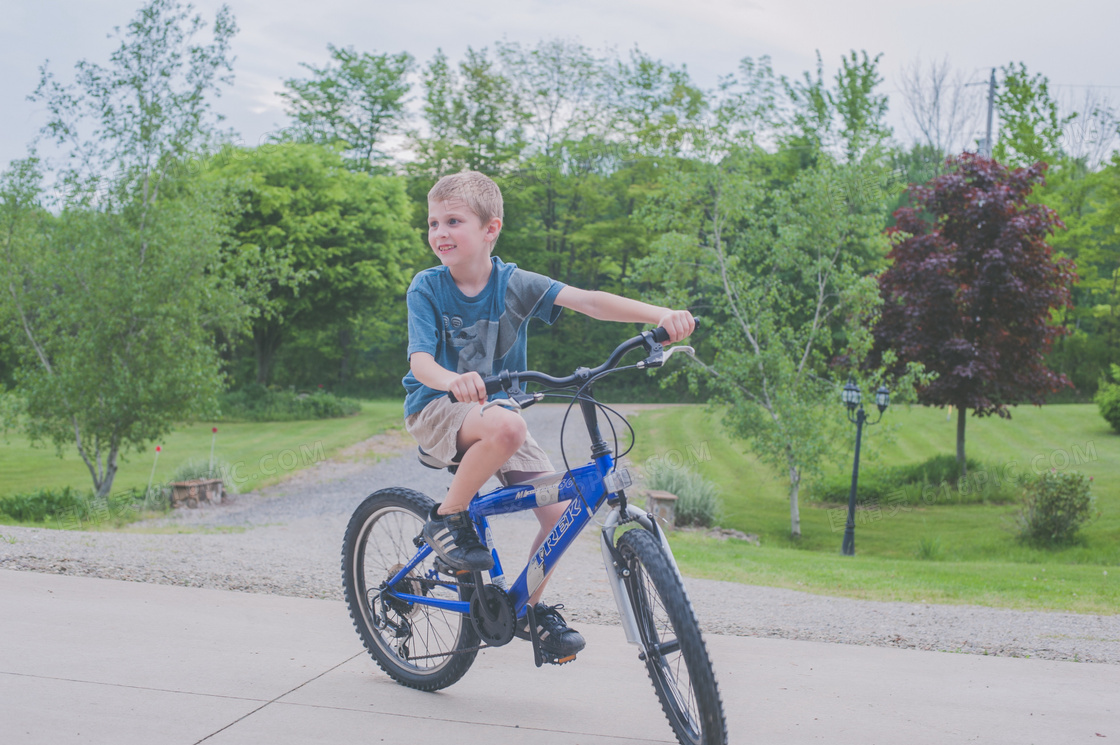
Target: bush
x,y
69,507
1108,399
255,403
933,481
929,549
698,500
200,469
1055,507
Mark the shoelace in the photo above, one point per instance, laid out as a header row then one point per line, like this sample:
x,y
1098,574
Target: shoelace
x,y
552,617
466,536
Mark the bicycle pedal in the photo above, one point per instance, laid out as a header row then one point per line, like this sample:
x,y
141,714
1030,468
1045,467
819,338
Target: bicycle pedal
x,y
444,568
559,660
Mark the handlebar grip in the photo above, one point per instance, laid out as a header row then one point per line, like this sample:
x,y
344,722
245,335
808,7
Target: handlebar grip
x,y
660,335
493,384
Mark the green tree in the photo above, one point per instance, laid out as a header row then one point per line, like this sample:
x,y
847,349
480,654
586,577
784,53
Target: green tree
x,y
844,117
861,109
340,240
1031,124
129,126
114,303
473,119
1081,197
657,108
114,314
781,274
777,249
357,98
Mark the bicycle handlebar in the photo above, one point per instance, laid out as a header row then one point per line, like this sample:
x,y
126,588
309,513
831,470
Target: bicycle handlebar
x,y
512,381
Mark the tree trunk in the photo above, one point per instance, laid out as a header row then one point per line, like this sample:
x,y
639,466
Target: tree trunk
x,y
106,485
794,509
266,340
961,413
345,344
102,478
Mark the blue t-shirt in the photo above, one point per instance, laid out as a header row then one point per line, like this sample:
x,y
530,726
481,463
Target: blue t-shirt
x,y
485,333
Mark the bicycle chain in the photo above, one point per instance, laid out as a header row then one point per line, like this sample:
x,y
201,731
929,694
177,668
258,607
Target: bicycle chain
x,y
464,650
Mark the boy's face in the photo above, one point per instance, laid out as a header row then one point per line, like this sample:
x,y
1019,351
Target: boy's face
x,y
457,235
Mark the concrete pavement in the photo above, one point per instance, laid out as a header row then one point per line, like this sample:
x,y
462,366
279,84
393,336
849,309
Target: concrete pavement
x,y
103,661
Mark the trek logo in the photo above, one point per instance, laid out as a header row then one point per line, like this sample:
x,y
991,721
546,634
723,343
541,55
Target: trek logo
x,y
534,573
557,533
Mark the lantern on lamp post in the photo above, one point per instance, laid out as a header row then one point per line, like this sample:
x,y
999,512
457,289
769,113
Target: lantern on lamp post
x,y
856,415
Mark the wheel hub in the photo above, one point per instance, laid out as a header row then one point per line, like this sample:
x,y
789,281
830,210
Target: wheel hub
x,y
409,585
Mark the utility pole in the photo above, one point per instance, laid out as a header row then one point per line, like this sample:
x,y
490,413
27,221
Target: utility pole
x,y
991,106
985,148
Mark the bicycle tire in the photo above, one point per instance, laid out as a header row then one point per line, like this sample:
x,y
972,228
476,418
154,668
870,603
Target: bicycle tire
x,y
682,676
378,542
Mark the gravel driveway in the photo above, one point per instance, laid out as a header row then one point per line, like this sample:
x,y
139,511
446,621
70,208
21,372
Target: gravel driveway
x,y
286,540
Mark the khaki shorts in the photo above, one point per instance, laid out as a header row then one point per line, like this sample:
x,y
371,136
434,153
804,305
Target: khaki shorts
x,y
436,428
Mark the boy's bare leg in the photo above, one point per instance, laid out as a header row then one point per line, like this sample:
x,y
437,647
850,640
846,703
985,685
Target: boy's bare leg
x,y
547,516
487,442
561,639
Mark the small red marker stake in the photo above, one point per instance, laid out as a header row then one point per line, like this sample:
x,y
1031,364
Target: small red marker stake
x,y
148,491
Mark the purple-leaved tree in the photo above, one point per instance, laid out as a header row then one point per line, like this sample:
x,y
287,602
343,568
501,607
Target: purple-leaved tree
x,y
971,288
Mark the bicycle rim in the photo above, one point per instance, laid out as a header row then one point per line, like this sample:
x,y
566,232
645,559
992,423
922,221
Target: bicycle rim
x,y
676,658
416,644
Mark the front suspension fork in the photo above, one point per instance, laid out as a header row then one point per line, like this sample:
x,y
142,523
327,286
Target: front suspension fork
x,y
617,572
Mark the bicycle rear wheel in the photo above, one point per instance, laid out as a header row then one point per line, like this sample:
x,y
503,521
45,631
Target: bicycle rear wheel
x,y
675,657
419,646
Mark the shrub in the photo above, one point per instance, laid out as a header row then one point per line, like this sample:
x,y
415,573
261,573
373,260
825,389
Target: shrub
x,y
1108,399
929,548
1055,507
255,403
69,507
935,470
200,469
698,501
935,480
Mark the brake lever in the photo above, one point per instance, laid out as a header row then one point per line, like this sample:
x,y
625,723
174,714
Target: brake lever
x,y
661,356
514,403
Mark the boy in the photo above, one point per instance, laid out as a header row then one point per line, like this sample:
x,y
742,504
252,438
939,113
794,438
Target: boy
x,y
467,319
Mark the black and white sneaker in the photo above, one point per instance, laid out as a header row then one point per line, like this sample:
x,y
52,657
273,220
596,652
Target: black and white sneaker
x,y
557,637
455,540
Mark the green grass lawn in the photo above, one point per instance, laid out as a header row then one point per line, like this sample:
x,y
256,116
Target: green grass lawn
x,y
258,453
976,557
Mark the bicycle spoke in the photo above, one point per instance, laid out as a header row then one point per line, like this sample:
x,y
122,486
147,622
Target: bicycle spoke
x,y
434,633
693,708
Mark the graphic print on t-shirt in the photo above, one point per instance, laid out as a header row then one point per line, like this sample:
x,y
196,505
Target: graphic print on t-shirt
x,y
474,344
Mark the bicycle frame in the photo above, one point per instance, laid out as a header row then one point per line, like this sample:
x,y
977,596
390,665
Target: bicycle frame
x,y
585,491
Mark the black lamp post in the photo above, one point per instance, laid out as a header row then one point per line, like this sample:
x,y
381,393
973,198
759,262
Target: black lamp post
x,y
851,399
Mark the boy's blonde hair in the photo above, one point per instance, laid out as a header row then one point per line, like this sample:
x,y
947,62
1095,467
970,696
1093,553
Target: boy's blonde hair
x,y
477,190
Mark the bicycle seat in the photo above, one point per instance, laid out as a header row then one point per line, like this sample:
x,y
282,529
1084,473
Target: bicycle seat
x,y
430,461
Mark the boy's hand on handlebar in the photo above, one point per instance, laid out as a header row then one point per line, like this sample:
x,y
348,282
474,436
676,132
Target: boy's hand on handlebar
x,y
679,324
468,388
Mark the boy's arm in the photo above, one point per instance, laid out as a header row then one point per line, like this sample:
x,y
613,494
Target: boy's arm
x,y
604,306
467,387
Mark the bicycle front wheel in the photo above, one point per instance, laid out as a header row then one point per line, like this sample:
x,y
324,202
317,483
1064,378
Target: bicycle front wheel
x,y
675,656
419,646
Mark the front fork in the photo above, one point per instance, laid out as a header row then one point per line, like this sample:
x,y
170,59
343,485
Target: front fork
x,y
618,573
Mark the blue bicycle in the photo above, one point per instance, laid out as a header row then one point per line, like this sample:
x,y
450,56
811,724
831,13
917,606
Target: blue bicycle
x,y
423,623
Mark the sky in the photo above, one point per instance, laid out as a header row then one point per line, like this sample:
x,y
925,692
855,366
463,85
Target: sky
x,y
1073,43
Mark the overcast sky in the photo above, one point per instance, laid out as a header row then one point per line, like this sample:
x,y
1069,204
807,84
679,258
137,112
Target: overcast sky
x,y
1073,42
